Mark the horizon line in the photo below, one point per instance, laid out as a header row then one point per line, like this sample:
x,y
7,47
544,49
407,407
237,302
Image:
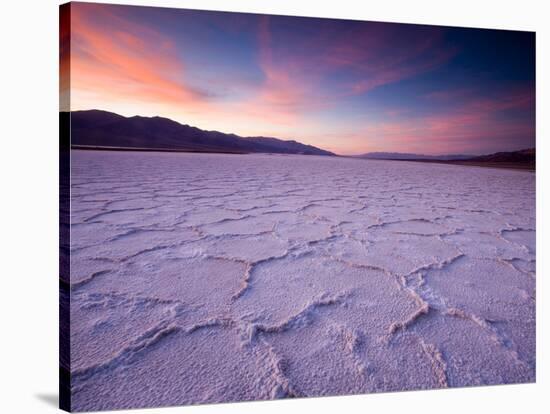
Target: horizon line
x,y
295,140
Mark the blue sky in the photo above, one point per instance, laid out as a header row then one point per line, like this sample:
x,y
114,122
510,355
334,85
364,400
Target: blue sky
x,y
346,86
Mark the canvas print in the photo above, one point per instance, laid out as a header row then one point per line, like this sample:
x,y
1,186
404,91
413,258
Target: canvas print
x,y
256,207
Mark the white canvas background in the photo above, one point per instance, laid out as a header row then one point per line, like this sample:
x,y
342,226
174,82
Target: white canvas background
x,y
28,202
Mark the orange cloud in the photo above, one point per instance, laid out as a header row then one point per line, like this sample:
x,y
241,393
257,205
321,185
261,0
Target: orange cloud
x,y
120,61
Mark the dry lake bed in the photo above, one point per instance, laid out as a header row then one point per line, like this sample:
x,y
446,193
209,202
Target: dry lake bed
x,y
200,278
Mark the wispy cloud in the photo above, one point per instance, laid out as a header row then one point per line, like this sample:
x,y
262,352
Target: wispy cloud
x,y
347,86
125,61
317,70
474,124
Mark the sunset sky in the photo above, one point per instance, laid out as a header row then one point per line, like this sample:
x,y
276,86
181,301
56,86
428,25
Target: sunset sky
x,y
345,86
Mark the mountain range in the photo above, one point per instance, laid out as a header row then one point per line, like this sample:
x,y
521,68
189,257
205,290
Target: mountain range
x,y
107,130
97,129
409,156
521,156
523,159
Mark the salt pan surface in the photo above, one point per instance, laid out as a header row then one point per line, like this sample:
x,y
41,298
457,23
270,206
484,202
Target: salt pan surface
x,y
201,278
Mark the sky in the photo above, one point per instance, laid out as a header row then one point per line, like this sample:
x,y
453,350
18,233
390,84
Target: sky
x,y
349,87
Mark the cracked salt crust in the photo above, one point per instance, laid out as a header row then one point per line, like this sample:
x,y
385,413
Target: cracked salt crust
x,y
200,278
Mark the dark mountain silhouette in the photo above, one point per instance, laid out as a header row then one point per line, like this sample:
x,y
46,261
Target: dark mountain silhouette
x,y
527,156
522,159
107,130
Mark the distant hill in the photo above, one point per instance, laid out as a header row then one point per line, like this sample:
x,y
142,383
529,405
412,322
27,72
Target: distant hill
x,y
522,159
523,156
107,130
409,156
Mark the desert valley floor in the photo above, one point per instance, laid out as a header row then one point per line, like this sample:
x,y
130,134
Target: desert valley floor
x,y
200,278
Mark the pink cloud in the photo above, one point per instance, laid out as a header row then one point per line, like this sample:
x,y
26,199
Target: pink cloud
x,y
475,125
298,70
396,73
124,61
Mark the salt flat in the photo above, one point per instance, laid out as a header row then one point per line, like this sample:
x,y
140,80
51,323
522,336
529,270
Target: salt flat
x,y
200,278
